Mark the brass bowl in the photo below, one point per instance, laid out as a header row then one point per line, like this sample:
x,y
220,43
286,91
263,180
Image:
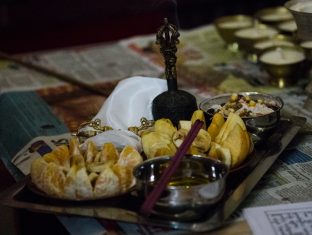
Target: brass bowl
x,y
307,47
227,25
273,15
197,184
247,37
283,64
302,12
288,27
278,40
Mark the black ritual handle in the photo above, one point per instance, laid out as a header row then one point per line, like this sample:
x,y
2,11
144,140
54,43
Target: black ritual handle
x,y
167,38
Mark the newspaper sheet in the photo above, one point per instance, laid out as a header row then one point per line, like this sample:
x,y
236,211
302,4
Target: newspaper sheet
x,y
281,219
103,63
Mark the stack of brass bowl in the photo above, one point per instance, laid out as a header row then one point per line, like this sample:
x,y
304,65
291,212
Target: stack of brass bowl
x,y
228,25
274,16
246,38
272,29
282,63
276,41
302,12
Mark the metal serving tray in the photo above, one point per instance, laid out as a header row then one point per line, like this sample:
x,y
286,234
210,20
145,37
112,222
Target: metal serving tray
x,y
125,208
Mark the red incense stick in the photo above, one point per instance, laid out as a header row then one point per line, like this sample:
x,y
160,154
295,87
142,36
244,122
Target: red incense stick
x,y
154,195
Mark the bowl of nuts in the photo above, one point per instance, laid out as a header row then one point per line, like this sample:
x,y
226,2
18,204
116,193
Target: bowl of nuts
x,y
260,111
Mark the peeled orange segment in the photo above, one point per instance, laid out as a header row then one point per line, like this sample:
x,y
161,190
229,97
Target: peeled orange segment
x,y
107,183
84,189
79,174
51,157
38,166
129,157
109,153
124,175
98,167
91,151
74,146
53,179
62,155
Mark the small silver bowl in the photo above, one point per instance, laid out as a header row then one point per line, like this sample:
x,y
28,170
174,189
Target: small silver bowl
x,y
259,125
197,184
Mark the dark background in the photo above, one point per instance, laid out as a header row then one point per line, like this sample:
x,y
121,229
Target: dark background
x,y
30,25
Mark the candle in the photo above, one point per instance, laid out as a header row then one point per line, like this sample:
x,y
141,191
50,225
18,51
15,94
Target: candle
x,y
307,47
282,56
289,26
271,43
275,16
302,7
306,44
256,33
228,25
235,24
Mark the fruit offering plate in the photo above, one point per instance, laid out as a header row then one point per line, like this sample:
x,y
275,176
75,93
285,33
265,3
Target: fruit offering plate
x,y
125,207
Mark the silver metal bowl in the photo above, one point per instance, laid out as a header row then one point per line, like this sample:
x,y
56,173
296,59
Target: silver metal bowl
x,y
259,125
197,184
302,12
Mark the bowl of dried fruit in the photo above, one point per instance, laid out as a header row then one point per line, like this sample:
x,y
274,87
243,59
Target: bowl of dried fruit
x,y
260,111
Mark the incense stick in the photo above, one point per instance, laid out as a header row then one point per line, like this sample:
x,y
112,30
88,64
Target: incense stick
x,y
154,195
56,74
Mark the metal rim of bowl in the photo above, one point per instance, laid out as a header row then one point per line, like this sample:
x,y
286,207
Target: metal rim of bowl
x,y
248,93
167,158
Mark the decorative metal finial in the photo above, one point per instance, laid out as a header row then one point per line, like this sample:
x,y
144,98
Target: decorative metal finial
x,y
173,104
167,38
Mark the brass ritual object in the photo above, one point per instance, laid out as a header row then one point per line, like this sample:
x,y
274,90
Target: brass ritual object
x,y
173,104
97,128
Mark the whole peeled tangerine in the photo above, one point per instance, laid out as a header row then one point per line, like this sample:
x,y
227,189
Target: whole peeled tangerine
x,y
71,173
